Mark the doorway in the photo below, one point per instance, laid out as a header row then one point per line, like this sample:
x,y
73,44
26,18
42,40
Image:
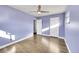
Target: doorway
x,y
38,26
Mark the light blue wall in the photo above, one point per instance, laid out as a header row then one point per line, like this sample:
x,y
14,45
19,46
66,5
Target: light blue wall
x,y
45,24
72,29
16,22
46,20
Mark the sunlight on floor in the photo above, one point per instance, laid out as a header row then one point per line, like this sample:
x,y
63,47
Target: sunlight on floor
x,y
45,42
12,50
51,45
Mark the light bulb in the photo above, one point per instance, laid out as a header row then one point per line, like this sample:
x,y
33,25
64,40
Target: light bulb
x,y
39,12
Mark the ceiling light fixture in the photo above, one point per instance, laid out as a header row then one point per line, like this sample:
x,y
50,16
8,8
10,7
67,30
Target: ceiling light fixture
x,y
39,12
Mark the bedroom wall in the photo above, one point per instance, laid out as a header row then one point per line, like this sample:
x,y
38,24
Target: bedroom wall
x,y
72,29
15,22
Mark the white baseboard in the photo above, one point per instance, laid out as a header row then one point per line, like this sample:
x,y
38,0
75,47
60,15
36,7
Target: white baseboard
x,y
67,46
30,35
51,36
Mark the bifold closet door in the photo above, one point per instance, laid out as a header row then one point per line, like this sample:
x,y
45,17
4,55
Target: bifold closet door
x,y
39,26
54,26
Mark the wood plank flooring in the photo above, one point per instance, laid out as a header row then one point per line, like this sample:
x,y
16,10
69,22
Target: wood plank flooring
x,y
38,44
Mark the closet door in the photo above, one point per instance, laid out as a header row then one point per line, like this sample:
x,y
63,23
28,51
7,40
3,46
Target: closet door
x,y
39,26
54,26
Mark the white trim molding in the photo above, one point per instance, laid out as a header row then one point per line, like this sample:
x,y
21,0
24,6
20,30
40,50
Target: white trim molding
x,y
67,46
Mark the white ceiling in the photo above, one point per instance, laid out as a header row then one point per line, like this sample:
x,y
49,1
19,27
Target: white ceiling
x,y
53,9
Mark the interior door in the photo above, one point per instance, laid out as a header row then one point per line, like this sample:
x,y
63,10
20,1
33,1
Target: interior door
x,y
39,26
54,26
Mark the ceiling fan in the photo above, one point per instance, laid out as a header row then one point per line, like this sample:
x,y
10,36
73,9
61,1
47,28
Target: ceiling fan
x,y
39,11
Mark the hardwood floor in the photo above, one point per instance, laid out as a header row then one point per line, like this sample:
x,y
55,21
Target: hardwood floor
x,y
38,44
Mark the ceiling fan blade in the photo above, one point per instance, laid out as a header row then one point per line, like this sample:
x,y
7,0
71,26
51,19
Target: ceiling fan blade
x,y
39,10
44,11
33,11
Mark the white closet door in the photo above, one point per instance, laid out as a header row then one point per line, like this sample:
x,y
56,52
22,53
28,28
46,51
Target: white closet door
x,y
54,26
39,26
